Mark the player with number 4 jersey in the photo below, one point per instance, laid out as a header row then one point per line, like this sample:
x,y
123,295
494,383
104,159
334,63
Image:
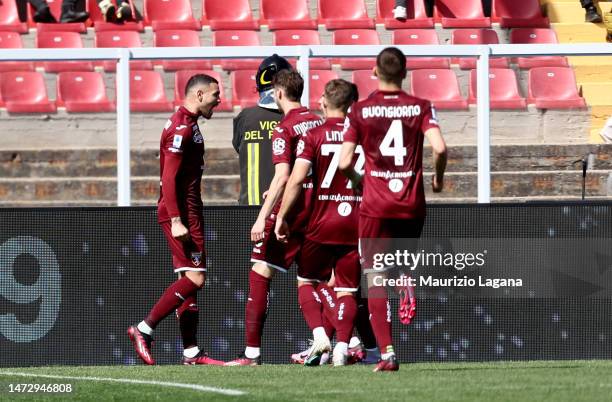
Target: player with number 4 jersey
x,y
391,126
331,235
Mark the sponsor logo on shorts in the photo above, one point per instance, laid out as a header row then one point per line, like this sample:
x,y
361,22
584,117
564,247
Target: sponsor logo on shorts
x,y
196,258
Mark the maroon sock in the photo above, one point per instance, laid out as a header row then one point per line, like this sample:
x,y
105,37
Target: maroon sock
x,y
256,308
362,324
170,300
380,317
328,299
347,310
188,315
309,301
328,325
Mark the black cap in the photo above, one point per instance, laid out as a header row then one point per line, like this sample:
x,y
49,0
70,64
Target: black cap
x,y
267,69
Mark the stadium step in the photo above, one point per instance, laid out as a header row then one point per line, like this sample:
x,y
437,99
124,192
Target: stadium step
x,y
224,161
224,189
92,189
579,32
565,12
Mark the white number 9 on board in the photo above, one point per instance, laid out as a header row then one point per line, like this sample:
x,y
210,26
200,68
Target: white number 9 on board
x,y
47,289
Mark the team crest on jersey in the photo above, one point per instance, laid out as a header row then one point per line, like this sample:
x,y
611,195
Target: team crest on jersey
x,y
278,146
197,135
300,147
196,258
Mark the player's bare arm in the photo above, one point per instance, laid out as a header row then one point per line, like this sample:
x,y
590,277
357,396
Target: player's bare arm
x,y
346,163
275,193
179,231
438,147
292,191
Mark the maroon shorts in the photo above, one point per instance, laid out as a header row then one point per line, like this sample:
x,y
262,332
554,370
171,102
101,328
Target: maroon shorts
x,y
380,235
272,252
189,255
316,261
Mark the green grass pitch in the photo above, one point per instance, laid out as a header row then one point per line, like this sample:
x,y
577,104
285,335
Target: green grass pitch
x,y
500,381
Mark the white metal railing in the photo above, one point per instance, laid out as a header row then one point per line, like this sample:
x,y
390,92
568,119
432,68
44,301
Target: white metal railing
x,y
304,53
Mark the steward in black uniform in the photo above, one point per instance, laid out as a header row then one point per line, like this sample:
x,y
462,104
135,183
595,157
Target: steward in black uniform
x,y
253,129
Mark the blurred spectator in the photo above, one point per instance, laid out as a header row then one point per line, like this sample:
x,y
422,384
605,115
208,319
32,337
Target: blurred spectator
x,y
69,12
115,13
591,14
43,13
400,11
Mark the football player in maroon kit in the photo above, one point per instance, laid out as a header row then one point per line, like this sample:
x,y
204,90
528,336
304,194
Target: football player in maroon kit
x,y
331,235
390,125
179,213
270,255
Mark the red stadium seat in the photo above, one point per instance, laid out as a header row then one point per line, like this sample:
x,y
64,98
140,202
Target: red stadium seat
x,y
83,92
48,39
417,15
554,88
302,37
460,14
9,17
56,9
12,40
180,81
286,14
420,37
95,15
121,39
503,89
25,92
366,82
147,92
440,86
244,90
181,38
356,37
346,14
318,79
537,35
237,38
228,14
518,14
170,14
476,36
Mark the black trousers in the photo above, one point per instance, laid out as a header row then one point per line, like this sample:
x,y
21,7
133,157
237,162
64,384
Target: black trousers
x,y
486,6
587,3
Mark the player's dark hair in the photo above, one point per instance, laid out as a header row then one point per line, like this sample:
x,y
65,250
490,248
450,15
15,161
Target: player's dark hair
x,y
391,64
199,79
355,92
340,94
291,82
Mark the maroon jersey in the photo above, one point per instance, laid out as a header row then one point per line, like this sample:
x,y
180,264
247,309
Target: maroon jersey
x,y
389,125
284,147
335,209
181,162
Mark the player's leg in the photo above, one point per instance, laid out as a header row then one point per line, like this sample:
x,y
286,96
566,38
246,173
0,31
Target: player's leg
x,y
314,266
378,301
183,259
364,350
268,256
348,272
329,312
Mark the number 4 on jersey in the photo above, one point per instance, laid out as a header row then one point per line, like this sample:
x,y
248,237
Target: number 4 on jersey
x,y
393,143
